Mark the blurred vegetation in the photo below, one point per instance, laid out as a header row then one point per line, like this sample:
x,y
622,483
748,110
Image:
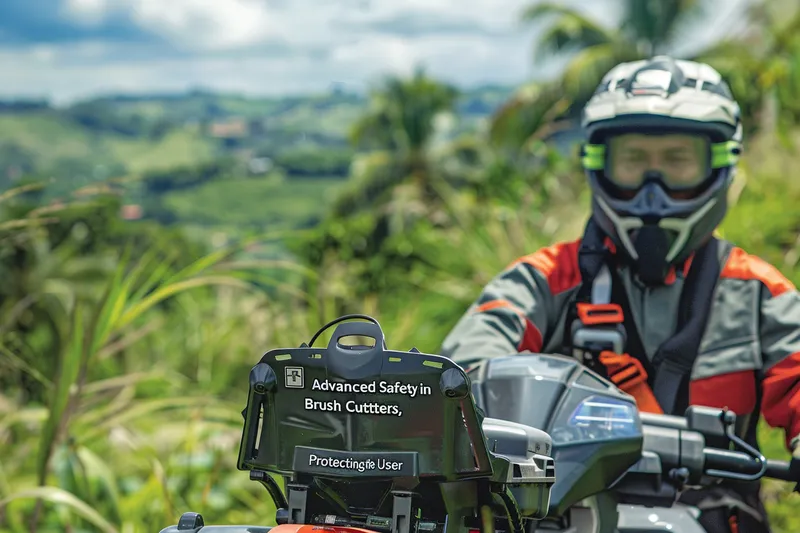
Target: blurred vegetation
x,y
152,248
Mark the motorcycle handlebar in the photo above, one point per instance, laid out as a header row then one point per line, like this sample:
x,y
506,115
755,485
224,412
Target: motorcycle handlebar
x,y
690,435
742,463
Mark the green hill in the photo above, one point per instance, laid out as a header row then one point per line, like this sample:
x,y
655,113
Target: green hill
x,y
274,159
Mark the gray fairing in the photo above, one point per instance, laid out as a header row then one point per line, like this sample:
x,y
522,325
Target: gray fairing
x,y
504,386
633,519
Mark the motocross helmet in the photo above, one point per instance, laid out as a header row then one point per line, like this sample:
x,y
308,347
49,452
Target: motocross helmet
x,y
663,139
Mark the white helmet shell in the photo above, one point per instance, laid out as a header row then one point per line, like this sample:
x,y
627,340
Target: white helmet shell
x,y
690,94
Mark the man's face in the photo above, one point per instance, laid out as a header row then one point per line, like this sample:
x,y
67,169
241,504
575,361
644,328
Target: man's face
x,y
682,160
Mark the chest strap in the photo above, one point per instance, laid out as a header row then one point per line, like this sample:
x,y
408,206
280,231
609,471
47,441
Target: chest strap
x,y
600,319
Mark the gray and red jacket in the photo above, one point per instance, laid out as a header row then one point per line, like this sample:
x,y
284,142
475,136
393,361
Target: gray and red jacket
x,y
749,357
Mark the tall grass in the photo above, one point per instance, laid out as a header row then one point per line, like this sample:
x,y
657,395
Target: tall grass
x,y
142,418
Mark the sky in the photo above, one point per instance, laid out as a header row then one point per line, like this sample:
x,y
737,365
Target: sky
x,y
65,50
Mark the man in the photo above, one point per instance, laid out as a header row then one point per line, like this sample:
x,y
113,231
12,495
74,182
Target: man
x,y
648,296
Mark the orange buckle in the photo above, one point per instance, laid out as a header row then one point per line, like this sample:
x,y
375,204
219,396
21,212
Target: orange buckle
x,y
623,370
599,314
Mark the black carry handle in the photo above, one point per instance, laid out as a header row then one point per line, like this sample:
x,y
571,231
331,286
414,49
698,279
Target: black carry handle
x,y
360,329
342,319
356,361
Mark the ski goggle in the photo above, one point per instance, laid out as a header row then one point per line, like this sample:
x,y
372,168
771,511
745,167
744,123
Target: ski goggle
x,y
681,162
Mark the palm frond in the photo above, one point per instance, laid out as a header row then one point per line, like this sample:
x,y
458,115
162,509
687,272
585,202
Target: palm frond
x,y
569,30
527,113
653,25
587,68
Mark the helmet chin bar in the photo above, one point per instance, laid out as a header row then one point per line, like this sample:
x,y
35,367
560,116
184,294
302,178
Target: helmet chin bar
x,y
624,226
681,226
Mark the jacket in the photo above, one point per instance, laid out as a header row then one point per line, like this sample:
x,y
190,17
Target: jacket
x,y
749,357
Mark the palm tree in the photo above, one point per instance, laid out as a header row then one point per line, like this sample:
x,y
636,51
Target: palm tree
x,y
648,28
399,186
397,132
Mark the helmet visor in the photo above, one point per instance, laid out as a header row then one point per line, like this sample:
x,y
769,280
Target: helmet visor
x,y
681,162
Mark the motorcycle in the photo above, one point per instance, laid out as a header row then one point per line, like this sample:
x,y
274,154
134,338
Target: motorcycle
x,y
371,440
619,471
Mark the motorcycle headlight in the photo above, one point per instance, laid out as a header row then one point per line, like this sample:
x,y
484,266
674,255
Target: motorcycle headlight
x,y
598,418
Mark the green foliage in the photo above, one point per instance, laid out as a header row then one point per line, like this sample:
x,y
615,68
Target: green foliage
x,y
315,161
104,118
186,177
98,391
401,114
180,147
262,202
761,65
646,29
125,345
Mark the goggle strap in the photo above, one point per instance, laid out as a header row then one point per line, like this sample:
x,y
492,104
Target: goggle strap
x,y
725,154
594,156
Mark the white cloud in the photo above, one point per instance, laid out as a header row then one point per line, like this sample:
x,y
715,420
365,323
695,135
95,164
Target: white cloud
x,y
394,54
43,54
208,24
281,46
355,67
194,24
87,12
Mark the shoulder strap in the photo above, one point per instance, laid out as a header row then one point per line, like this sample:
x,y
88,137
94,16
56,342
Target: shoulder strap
x,y
593,255
596,285
600,284
674,360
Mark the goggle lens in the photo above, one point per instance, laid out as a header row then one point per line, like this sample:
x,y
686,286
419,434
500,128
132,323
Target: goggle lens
x,y
682,162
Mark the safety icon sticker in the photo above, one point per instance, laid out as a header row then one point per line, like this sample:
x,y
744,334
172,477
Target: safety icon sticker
x,y
294,377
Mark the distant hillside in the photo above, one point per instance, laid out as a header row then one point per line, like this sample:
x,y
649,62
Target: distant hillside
x,y
122,135
210,161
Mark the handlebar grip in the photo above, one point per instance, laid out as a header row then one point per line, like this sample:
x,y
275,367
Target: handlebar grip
x,y
781,470
741,463
735,462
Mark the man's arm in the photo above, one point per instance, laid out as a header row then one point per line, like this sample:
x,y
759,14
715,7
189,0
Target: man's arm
x,y
517,309
780,346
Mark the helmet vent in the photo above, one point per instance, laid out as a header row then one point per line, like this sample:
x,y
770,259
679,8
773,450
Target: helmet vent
x,y
650,81
718,88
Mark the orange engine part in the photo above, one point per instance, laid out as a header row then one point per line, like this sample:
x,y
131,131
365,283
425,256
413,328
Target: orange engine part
x,y
310,528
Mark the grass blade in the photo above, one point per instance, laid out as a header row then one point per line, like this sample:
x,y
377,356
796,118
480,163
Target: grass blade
x,y
67,378
58,496
169,290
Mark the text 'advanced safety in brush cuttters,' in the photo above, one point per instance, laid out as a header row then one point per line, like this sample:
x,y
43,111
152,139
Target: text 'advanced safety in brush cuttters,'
x,y
369,396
